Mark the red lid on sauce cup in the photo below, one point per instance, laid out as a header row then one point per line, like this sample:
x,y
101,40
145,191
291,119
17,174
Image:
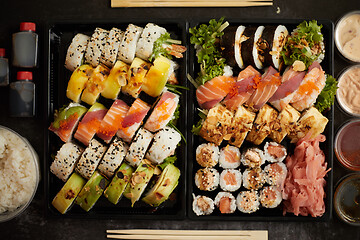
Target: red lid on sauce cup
x,y
27,26
2,52
24,75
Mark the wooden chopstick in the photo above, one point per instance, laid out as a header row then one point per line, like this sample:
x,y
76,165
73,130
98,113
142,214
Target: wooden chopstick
x,y
180,237
187,3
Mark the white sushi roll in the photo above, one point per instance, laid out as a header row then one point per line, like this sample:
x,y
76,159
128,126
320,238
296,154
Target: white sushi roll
x,y
139,147
230,180
253,178
113,157
150,34
202,205
275,174
229,157
274,152
258,58
226,202
207,179
237,46
90,159
128,43
96,46
207,154
75,52
164,144
65,160
253,158
279,41
248,201
111,49
270,197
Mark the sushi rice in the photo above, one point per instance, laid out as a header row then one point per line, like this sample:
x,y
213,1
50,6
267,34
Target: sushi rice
x,y
76,51
207,179
270,197
226,202
248,201
253,158
229,157
253,178
138,147
207,154
275,174
202,205
274,152
230,180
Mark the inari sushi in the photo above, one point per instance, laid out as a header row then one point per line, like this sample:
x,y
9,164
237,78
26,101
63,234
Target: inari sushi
x,y
207,154
96,46
128,43
229,157
207,179
76,51
230,180
111,48
248,201
226,202
139,147
203,205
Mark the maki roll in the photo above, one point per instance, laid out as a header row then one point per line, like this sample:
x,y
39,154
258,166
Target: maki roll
x,y
248,45
164,144
229,157
274,152
128,43
230,180
207,179
111,48
270,197
113,157
149,35
138,147
253,178
248,201
66,121
135,78
202,205
227,43
257,50
90,159
96,46
275,174
226,202
163,112
77,82
253,158
75,52
116,80
207,154
65,160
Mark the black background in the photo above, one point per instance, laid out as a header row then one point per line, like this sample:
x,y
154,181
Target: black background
x,y
34,223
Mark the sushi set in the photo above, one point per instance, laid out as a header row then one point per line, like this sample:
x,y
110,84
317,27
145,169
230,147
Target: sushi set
x,y
131,137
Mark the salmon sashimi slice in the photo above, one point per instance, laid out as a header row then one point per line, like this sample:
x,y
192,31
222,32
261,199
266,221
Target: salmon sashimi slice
x,y
213,91
133,119
230,155
265,89
89,125
112,120
163,112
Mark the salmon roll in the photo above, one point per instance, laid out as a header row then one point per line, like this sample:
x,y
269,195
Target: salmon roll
x,y
226,202
163,112
275,174
128,43
253,178
76,51
248,201
96,46
270,197
253,158
139,147
207,154
229,157
111,49
207,179
203,205
274,152
230,180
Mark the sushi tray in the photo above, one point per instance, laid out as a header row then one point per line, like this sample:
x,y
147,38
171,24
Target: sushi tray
x,y
64,148
223,185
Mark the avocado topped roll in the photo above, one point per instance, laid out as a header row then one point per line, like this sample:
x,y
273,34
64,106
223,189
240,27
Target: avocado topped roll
x,y
128,43
76,51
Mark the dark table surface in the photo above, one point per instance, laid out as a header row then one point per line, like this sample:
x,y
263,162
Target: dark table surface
x,y
34,223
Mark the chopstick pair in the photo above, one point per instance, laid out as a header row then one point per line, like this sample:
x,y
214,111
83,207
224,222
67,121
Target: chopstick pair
x,y
146,234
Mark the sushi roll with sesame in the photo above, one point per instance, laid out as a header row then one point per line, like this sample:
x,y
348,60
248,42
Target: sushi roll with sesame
x,y
274,152
203,205
90,158
229,157
128,43
275,174
253,158
164,144
207,154
230,180
207,179
111,49
139,147
65,160
113,157
226,202
253,178
270,197
145,45
248,201
76,51
96,46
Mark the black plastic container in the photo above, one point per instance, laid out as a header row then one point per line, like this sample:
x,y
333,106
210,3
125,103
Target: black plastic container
x,y
262,214
59,36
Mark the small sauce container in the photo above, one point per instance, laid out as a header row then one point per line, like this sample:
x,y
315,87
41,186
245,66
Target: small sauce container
x,y
348,92
347,36
347,145
347,199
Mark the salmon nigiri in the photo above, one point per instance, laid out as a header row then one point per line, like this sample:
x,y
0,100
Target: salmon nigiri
x,y
133,119
213,91
112,120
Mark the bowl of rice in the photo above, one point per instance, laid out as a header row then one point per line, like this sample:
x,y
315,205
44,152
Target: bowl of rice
x,y
19,174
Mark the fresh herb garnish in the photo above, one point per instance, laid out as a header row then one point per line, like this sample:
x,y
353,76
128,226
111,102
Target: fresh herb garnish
x,y
160,46
167,161
170,124
327,96
173,88
197,127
